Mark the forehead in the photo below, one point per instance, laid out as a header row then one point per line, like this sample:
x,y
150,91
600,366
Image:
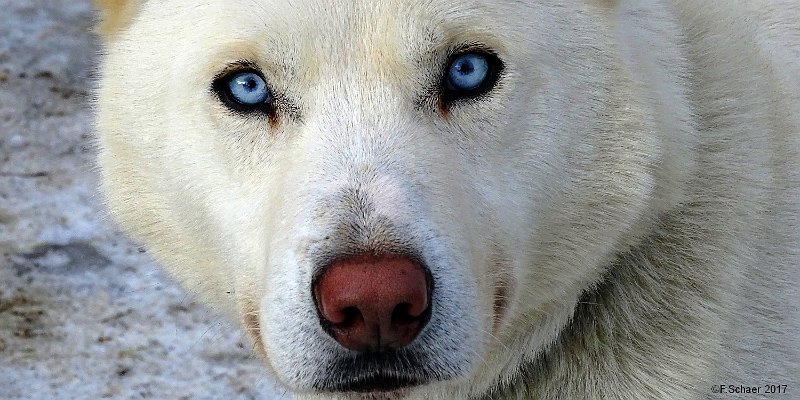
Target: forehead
x,y
369,20
325,32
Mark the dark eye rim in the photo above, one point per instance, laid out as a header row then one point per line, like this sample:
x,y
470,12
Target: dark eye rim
x,y
450,95
220,87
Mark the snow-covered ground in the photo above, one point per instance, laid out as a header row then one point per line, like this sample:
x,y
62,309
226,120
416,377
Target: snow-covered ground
x,y
84,313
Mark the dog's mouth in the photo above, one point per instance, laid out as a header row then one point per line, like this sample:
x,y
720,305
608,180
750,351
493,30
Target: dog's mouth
x,y
378,383
388,374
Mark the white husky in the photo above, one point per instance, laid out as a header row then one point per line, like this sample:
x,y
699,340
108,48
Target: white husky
x,y
479,199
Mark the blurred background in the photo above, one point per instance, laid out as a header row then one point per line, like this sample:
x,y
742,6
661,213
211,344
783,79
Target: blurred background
x,y
84,312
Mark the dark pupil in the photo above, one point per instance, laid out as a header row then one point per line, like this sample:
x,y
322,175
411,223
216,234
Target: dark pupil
x,y
250,83
465,67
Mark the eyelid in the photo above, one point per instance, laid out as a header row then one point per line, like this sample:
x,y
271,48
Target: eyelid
x,y
240,66
468,47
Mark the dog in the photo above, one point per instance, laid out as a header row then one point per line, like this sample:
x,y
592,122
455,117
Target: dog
x,y
480,199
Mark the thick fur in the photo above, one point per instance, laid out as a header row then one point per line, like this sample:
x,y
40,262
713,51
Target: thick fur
x,y
616,219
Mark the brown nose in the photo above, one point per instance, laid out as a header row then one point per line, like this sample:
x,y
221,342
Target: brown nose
x,y
373,303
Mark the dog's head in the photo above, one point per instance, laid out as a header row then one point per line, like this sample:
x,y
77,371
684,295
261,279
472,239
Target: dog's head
x,y
390,195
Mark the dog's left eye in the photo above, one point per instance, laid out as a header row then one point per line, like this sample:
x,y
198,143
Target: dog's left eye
x,y
470,75
248,88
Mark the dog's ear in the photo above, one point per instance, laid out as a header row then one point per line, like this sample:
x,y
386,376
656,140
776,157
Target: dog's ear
x,y
116,14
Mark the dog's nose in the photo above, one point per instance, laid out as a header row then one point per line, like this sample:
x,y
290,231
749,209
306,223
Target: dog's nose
x,y
373,303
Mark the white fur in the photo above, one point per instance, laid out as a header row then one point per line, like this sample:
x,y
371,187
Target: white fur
x,y
631,187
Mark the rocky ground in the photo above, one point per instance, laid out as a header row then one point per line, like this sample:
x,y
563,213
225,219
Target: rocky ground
x,y
84,313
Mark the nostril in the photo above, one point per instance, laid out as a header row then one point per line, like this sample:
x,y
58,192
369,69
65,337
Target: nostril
x,y
402,315
351,316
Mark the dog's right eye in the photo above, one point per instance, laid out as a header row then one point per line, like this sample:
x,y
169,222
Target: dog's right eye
x,y
243,91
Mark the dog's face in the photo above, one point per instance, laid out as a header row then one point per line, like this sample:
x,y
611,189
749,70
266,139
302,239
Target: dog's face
x,y
494,152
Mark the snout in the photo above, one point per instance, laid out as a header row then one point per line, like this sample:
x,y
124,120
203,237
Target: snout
x,y
371,290
373,303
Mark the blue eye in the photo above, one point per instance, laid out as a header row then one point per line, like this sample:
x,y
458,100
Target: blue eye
x,y
469,75
248,89
468,72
